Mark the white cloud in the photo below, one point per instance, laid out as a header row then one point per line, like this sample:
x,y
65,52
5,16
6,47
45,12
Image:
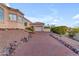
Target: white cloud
x,y
76,16
76,22
46,19
56,20
34,19
7,4
53,23
51,18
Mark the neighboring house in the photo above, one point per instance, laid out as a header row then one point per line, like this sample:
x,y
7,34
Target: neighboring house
x,y
38,26
11,18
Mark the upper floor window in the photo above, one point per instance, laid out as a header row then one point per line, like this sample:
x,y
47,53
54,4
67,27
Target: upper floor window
x,y
20,19
12,17
1,14
25,24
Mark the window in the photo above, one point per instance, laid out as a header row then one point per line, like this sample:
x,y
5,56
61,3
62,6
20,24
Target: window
x,y
25,24
1,14
12,17
20,19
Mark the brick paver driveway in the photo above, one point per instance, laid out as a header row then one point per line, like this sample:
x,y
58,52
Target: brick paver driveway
x,y
41,44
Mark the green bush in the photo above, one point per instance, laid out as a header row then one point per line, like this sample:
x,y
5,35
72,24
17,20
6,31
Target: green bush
x,y
59,29
30,29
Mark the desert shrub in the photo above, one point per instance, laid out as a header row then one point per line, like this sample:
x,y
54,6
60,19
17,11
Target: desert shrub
x,y
59,29
30,29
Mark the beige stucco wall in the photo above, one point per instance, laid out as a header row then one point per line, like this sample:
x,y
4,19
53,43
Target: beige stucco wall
x,y
29,24
7,23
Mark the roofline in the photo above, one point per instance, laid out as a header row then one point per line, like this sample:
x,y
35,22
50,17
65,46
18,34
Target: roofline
x,y
12,8
37,23
27,20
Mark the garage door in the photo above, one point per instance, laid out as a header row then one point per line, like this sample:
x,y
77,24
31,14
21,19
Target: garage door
x,y
38,29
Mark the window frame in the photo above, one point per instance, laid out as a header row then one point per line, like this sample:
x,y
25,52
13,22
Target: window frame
x,y
2,14
20,19
13,17
25,23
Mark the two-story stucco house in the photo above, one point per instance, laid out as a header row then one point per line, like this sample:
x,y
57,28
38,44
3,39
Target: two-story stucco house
x,y
12,18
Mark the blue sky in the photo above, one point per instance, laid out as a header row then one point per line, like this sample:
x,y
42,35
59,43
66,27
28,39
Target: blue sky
x,y
58,14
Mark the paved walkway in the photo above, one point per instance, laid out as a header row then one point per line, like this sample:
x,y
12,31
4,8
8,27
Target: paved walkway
x,y
41,44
